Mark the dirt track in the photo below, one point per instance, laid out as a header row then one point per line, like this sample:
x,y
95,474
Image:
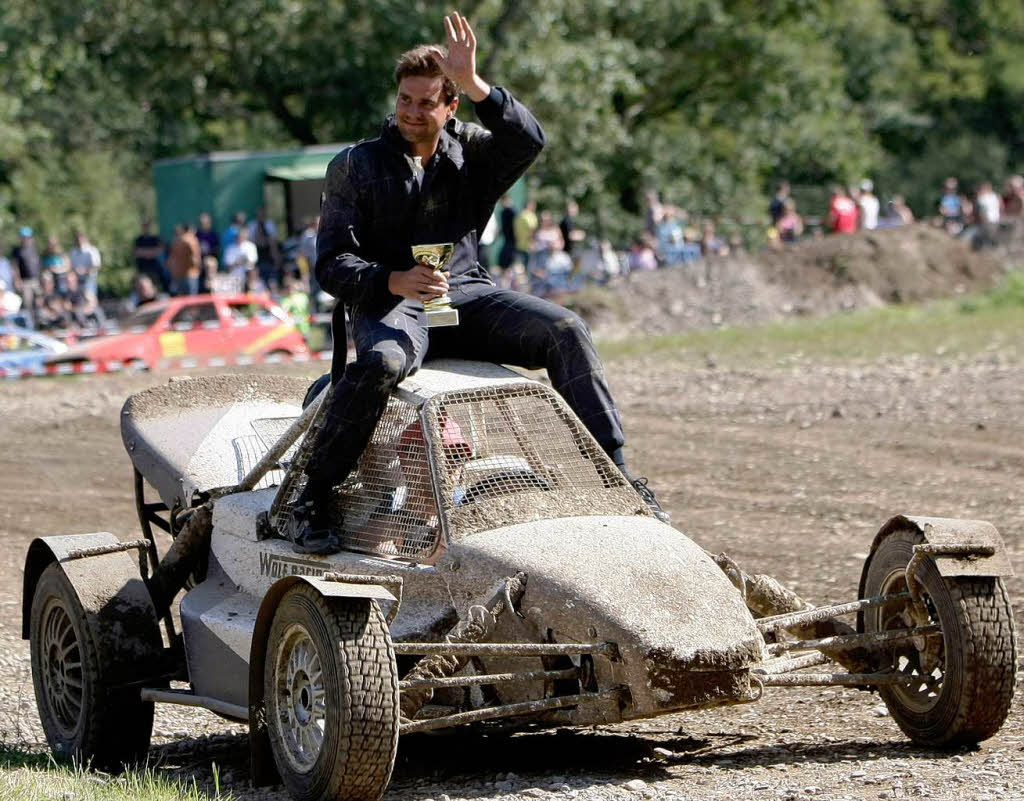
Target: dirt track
x,y
790,470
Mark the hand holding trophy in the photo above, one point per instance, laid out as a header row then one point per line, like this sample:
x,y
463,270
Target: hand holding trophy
x,y
439,310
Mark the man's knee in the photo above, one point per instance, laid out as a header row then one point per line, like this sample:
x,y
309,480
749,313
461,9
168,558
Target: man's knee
x,y
384,367
570,329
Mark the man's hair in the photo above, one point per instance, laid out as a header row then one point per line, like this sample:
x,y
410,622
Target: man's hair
x,y
420,61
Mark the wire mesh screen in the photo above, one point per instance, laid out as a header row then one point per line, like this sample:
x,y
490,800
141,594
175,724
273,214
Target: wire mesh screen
x,y
249,449
387,505
502,455
515,454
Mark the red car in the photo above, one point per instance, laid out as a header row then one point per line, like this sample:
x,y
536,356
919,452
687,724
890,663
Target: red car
x,y
204,328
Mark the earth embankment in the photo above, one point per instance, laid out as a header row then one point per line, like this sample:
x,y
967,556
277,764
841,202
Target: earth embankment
x,y
816,277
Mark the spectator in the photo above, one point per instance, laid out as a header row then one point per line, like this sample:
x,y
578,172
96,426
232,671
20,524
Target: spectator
x,y
869,205
951,207
653,211
149,251
525,225
240,257
507,220
86,262
790,225
899,211
263,234
7,275
842,215
143,291
50,311
572,234
548,236
710,243
209,240
777,208
295,301
29,266
641,255
599,262
1013,196
208,276
10,302
230,235
56,262
82,305
184,261
307,260
988,204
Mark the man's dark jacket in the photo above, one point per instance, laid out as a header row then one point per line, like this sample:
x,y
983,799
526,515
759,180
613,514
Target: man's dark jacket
x,y
374,209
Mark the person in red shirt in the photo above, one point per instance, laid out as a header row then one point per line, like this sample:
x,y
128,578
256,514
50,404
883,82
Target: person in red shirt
x,y
842,213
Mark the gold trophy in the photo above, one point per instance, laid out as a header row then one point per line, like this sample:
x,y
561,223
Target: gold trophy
x,y
439,310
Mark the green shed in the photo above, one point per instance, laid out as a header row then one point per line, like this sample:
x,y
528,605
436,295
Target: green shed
x,y
287,182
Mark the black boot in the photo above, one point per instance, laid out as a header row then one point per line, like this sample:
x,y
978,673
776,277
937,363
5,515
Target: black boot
x,y
310,531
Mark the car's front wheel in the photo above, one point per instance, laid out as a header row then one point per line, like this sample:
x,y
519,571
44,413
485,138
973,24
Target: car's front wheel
x,y
331,689
959,682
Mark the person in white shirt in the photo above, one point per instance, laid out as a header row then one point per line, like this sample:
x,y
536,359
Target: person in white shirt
x,y
989,204
240,257
868,206
85,260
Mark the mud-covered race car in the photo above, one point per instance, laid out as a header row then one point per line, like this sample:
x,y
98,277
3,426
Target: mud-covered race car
x,y
497,570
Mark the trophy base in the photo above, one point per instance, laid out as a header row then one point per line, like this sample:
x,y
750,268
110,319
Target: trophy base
x,y
440,317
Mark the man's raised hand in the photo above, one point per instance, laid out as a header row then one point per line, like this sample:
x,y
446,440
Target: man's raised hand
x,y
460,63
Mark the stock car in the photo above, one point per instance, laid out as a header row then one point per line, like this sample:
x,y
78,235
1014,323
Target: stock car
x,y
22,349
200,327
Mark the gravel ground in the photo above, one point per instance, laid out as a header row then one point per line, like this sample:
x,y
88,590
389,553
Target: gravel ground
x,y
790,469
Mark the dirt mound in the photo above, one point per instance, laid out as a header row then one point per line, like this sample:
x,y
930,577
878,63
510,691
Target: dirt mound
x,y
817,277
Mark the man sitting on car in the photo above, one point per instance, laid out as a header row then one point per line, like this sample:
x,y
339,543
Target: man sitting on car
x,y
429,178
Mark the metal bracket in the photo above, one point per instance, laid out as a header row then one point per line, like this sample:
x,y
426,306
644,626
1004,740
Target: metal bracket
x,y
927,549
102,550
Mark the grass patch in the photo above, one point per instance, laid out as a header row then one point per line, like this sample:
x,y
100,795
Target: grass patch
x,y
992,320
33,776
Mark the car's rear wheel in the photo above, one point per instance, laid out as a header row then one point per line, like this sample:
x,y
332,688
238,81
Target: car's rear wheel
x,y
331,689
961,681
83,719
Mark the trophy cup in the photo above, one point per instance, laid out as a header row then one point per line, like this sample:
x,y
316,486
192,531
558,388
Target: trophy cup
x,y
439,310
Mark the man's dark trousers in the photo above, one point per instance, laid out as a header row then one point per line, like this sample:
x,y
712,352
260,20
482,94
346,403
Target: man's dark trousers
x,y
497,325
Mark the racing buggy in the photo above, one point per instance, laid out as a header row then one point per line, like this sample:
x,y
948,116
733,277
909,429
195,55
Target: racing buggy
x,y
496,570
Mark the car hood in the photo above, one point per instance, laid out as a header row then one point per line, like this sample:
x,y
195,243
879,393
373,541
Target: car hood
x,y
632,580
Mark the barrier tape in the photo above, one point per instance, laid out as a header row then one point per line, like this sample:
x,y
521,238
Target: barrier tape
x,y
184,363
78,334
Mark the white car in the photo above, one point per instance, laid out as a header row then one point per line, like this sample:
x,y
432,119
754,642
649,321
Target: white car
x,y
497,569
22,349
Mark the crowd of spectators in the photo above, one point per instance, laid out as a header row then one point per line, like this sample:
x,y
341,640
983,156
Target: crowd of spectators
x,y
543,251
856,208
51,288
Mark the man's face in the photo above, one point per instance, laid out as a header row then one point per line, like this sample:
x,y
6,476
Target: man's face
x,y
420,110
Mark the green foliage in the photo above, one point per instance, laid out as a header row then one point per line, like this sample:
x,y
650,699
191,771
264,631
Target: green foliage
x,y
708,101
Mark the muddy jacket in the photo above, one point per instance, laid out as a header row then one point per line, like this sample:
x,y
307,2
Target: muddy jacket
x,y
375,209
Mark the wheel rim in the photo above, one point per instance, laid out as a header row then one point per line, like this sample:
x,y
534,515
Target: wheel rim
x,y
922,659
300,698
62,672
